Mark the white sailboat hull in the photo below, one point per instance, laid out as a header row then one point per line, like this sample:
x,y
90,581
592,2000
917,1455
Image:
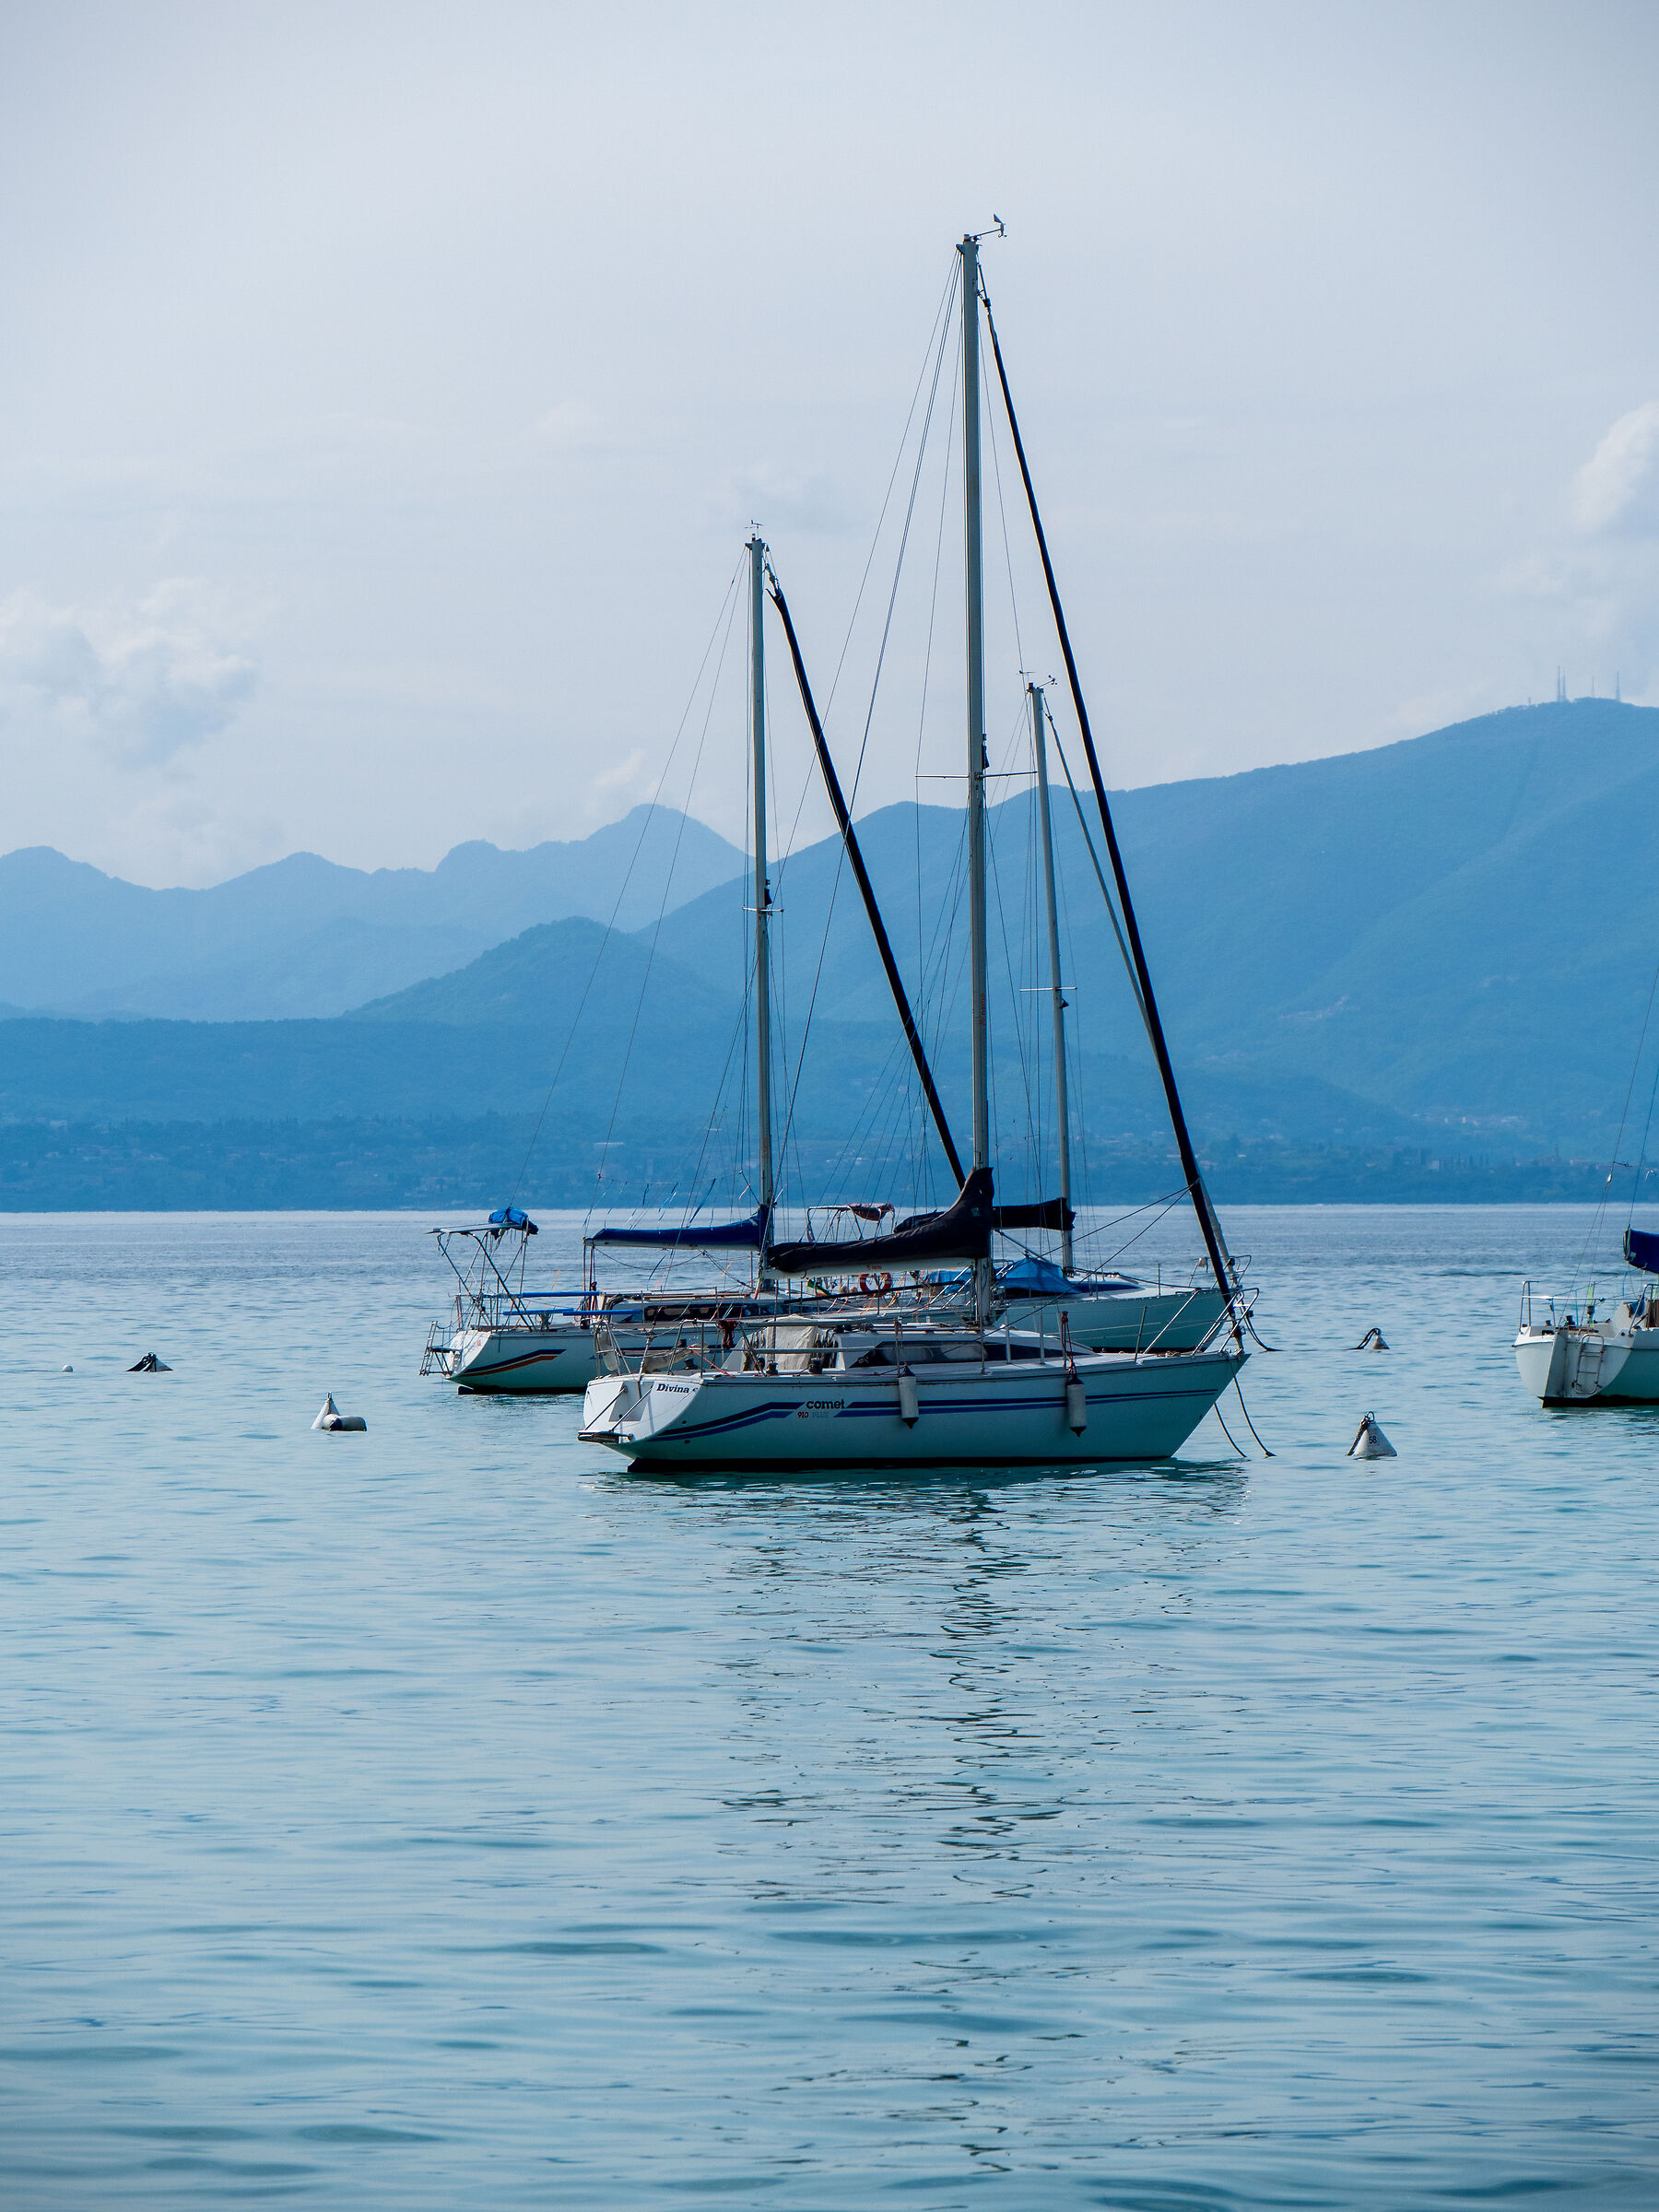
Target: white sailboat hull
x,y
1011,1414
558,1357
1125,1321
535,1359
1572,1367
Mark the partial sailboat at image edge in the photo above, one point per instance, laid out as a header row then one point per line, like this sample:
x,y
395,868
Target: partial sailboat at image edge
x,y
1577,1355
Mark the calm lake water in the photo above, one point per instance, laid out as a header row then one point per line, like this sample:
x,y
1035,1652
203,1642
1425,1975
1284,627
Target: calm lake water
x,y
443,1817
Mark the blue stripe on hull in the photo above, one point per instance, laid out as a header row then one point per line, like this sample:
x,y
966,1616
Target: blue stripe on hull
x,y
678,1445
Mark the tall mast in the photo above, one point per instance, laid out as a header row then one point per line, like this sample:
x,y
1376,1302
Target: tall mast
x,y
756,553
1062,1110
969,249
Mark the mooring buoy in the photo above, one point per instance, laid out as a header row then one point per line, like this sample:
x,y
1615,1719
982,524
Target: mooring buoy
x,y
1369,1441
150,1365
331,1418
1373,1340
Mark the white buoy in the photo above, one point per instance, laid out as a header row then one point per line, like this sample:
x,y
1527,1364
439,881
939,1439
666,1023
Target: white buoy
x,y
1371,1443
1373,1340
332,1419
68,1371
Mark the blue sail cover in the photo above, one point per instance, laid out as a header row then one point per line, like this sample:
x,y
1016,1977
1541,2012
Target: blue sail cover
x,y
513,1216
1641,1250
1037,1278
747,1235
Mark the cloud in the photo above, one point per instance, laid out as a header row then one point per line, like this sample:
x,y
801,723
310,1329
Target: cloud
x,y
1617,491
624,775
140,681
569,425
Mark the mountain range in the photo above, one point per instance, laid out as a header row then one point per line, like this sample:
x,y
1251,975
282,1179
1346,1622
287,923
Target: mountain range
x,y
1452,937
306,937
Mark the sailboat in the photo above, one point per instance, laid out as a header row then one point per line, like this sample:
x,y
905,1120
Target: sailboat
x,y
1569,1354
502,1336
843,1388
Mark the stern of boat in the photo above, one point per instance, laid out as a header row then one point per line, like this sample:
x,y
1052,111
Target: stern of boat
x,y
439,1357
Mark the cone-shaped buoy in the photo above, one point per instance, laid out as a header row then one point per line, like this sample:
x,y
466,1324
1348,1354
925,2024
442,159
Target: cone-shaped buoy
x,y
1373,1340
150,1365
331,1418
1371,1443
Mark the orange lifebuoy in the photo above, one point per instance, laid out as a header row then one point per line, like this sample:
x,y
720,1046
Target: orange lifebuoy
x,y
866,1284
886,1282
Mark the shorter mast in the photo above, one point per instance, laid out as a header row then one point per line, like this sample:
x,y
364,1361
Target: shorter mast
x,y
756,553
1062,1107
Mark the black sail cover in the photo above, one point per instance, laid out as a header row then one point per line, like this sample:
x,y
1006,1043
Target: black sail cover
x,y
1048,1213
962,1231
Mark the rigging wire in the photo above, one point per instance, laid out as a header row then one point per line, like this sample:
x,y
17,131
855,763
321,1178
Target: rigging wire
x,y
933,616
941,323
875,686
1076,1088
938,335
988,415
1641,1156
995,873
1594,1230
741,1031
1209,1221
1099,877
626,880
662,906
1163,1205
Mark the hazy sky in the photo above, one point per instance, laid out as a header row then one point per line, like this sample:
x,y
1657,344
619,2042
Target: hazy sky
x,y
386,391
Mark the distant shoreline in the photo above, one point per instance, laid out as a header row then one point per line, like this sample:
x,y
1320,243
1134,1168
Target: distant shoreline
x,y
442,1166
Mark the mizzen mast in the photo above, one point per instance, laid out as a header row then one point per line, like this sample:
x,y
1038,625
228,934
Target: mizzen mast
x,y
1056,991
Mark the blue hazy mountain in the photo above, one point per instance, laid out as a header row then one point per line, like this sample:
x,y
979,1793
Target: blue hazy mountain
x,y
1462,927
306,937
616,1041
